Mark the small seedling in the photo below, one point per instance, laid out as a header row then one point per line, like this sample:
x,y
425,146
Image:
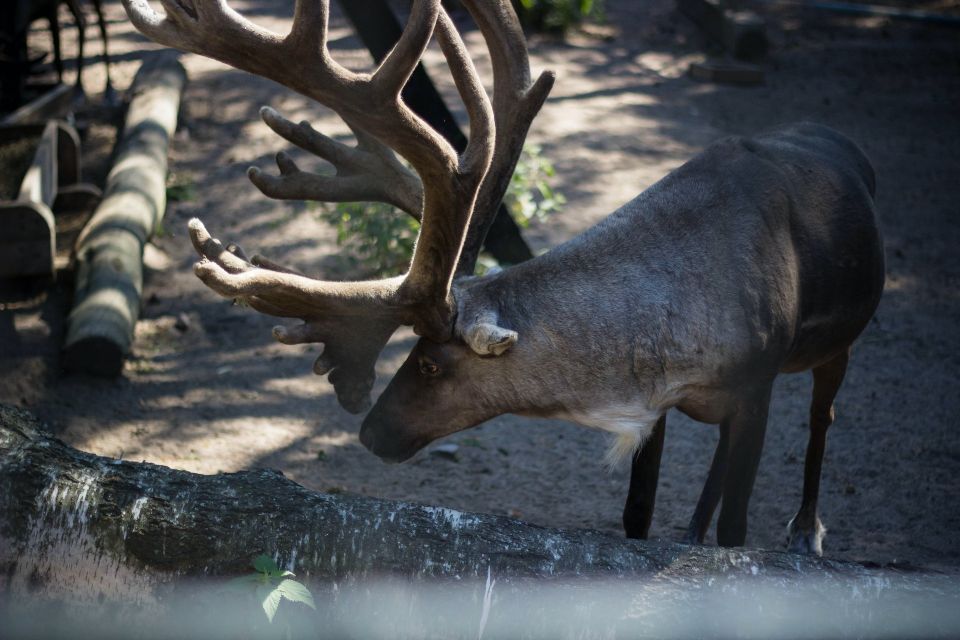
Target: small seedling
x,y
269,585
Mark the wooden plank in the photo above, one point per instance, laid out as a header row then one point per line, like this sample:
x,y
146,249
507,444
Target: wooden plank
x,y
68,154
54,103
27,240
40,182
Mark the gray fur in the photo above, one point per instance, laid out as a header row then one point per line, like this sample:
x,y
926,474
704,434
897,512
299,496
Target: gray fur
x,y
759,256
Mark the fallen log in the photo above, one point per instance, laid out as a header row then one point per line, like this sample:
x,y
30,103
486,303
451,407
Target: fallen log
x,y
116,543
110,249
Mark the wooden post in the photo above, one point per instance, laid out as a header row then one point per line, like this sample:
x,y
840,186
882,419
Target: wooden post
x,y
27,241
740,32
110,249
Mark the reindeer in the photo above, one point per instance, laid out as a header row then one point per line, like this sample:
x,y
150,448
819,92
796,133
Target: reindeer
x,y
759,256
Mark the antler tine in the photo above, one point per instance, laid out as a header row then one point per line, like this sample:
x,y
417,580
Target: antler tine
x,y
157,27
392,74
515,104
310,26
476,157
210,28
369,171
444,226
354,319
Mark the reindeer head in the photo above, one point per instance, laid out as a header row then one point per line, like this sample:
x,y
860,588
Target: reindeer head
x,y
443,388
455,196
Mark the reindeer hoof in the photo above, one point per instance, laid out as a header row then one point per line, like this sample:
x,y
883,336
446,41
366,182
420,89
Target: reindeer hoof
x,y
808,539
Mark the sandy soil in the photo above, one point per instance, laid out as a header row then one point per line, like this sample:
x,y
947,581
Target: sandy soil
x,y
217,394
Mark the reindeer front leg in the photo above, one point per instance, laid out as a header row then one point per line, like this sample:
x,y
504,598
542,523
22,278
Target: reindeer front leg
x,y
748,425
644,472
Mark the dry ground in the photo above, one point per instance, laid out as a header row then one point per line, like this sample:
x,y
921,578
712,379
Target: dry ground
x,y
222,396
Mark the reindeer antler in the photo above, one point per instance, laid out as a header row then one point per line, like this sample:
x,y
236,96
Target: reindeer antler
x,y
355,319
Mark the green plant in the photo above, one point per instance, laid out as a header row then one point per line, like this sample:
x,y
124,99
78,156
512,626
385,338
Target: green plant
x,y
529,196
555,16
380,239
181,189
268,585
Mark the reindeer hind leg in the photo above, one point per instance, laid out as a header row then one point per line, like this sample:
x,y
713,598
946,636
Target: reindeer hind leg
x,y
712,491
805,531
81,23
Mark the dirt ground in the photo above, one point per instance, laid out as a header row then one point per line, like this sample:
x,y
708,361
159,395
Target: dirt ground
x,y
217,394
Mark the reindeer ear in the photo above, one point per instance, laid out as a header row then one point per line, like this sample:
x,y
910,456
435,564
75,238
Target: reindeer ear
x,y
487,338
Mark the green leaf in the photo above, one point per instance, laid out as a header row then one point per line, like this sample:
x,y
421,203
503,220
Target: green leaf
x,y
182,192
269,597
296,592
265,564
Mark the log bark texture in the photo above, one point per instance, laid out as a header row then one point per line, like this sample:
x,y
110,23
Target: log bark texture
x,y
80,530
110,248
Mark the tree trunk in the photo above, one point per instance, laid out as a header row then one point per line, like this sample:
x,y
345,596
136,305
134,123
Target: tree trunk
x,y
78,530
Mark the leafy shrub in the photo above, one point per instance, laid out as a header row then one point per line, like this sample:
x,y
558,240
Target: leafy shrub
x,y
529,195
556,16
379,239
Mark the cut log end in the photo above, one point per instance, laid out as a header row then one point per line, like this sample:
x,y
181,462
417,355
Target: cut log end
x,y
94,355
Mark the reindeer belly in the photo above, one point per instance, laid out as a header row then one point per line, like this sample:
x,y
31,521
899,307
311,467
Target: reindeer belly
x,y
841,280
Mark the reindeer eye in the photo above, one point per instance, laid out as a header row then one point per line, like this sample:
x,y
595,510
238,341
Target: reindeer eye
x,y
428,368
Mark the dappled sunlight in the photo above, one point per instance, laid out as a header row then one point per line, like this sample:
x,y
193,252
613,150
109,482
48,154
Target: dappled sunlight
x,y
208,389
199,446
302,388
632,103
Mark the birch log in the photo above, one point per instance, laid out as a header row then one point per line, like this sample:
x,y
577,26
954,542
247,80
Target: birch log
x,y
109,251
123,542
